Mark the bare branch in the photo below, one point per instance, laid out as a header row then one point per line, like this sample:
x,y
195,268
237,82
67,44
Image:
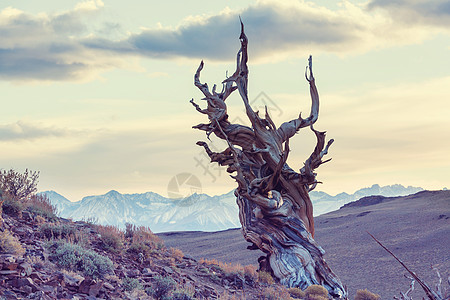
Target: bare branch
x,y
431,295
288,129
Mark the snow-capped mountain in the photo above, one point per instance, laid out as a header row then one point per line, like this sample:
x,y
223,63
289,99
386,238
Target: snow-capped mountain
x,y
198,212
324,203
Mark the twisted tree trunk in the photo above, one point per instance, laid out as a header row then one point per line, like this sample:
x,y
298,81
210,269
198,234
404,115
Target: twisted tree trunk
x,y
275,210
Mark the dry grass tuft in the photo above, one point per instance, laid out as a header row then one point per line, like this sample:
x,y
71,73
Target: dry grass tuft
x,y
177,254
316,292
10,244
265,277
41,205
275,293
296,293
111,237
366,295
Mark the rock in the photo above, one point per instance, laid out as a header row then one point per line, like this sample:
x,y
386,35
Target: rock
x,y
24,282
168,270
148,271
108,286
7,258
8,272
94,289
27,216
9,295
26,269
132,273
85,286
72,280
187,256
10,266
36,276
23,231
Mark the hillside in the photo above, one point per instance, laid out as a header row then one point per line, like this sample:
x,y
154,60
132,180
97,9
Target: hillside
x,y
45,257
415,227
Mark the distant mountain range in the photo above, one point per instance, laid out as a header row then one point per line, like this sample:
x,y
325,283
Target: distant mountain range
x,y
198,212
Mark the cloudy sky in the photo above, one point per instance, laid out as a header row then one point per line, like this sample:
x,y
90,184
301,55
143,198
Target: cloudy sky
x,y
95,94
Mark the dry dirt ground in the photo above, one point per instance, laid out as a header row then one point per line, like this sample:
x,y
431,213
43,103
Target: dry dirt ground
x,y
416,228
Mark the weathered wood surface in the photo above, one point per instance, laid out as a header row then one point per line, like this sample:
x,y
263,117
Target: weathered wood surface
x,y
275,210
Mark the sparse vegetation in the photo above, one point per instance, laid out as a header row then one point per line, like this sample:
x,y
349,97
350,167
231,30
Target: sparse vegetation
x,y
18,186
111,237
316,292
75,258
183,294
250,273
41,206
162,287
18,193
366,295
296,293
56,231
12,206
130,284
275,293
265,277
10,244
177,254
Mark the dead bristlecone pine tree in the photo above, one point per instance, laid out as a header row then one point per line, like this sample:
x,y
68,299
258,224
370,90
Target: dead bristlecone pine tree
x,y
275,210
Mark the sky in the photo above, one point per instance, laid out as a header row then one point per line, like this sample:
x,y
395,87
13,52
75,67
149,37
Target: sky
x,y
95,94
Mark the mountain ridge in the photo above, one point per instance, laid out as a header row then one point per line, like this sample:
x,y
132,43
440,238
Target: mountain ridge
x,y
197,212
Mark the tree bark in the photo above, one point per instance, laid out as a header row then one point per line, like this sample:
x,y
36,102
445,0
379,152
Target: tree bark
x,y
275,210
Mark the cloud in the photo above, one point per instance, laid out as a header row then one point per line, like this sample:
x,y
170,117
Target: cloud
x,y
67,46
46,47
28,131
271,27
277,30
435,13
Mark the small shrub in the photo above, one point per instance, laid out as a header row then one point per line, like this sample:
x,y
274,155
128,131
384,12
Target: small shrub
x,y
10,244
37,262
57,231
265,277
75,258
366,295
275,293
227,296
12,206
39,220
183,294
136,248
176,253
296,293
316,292
316,297
41,205
229,269
129,228
162,287
111,237
18,186
130,284
142,234
250,273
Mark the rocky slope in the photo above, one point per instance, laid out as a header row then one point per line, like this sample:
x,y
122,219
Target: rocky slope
x,y
60,259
